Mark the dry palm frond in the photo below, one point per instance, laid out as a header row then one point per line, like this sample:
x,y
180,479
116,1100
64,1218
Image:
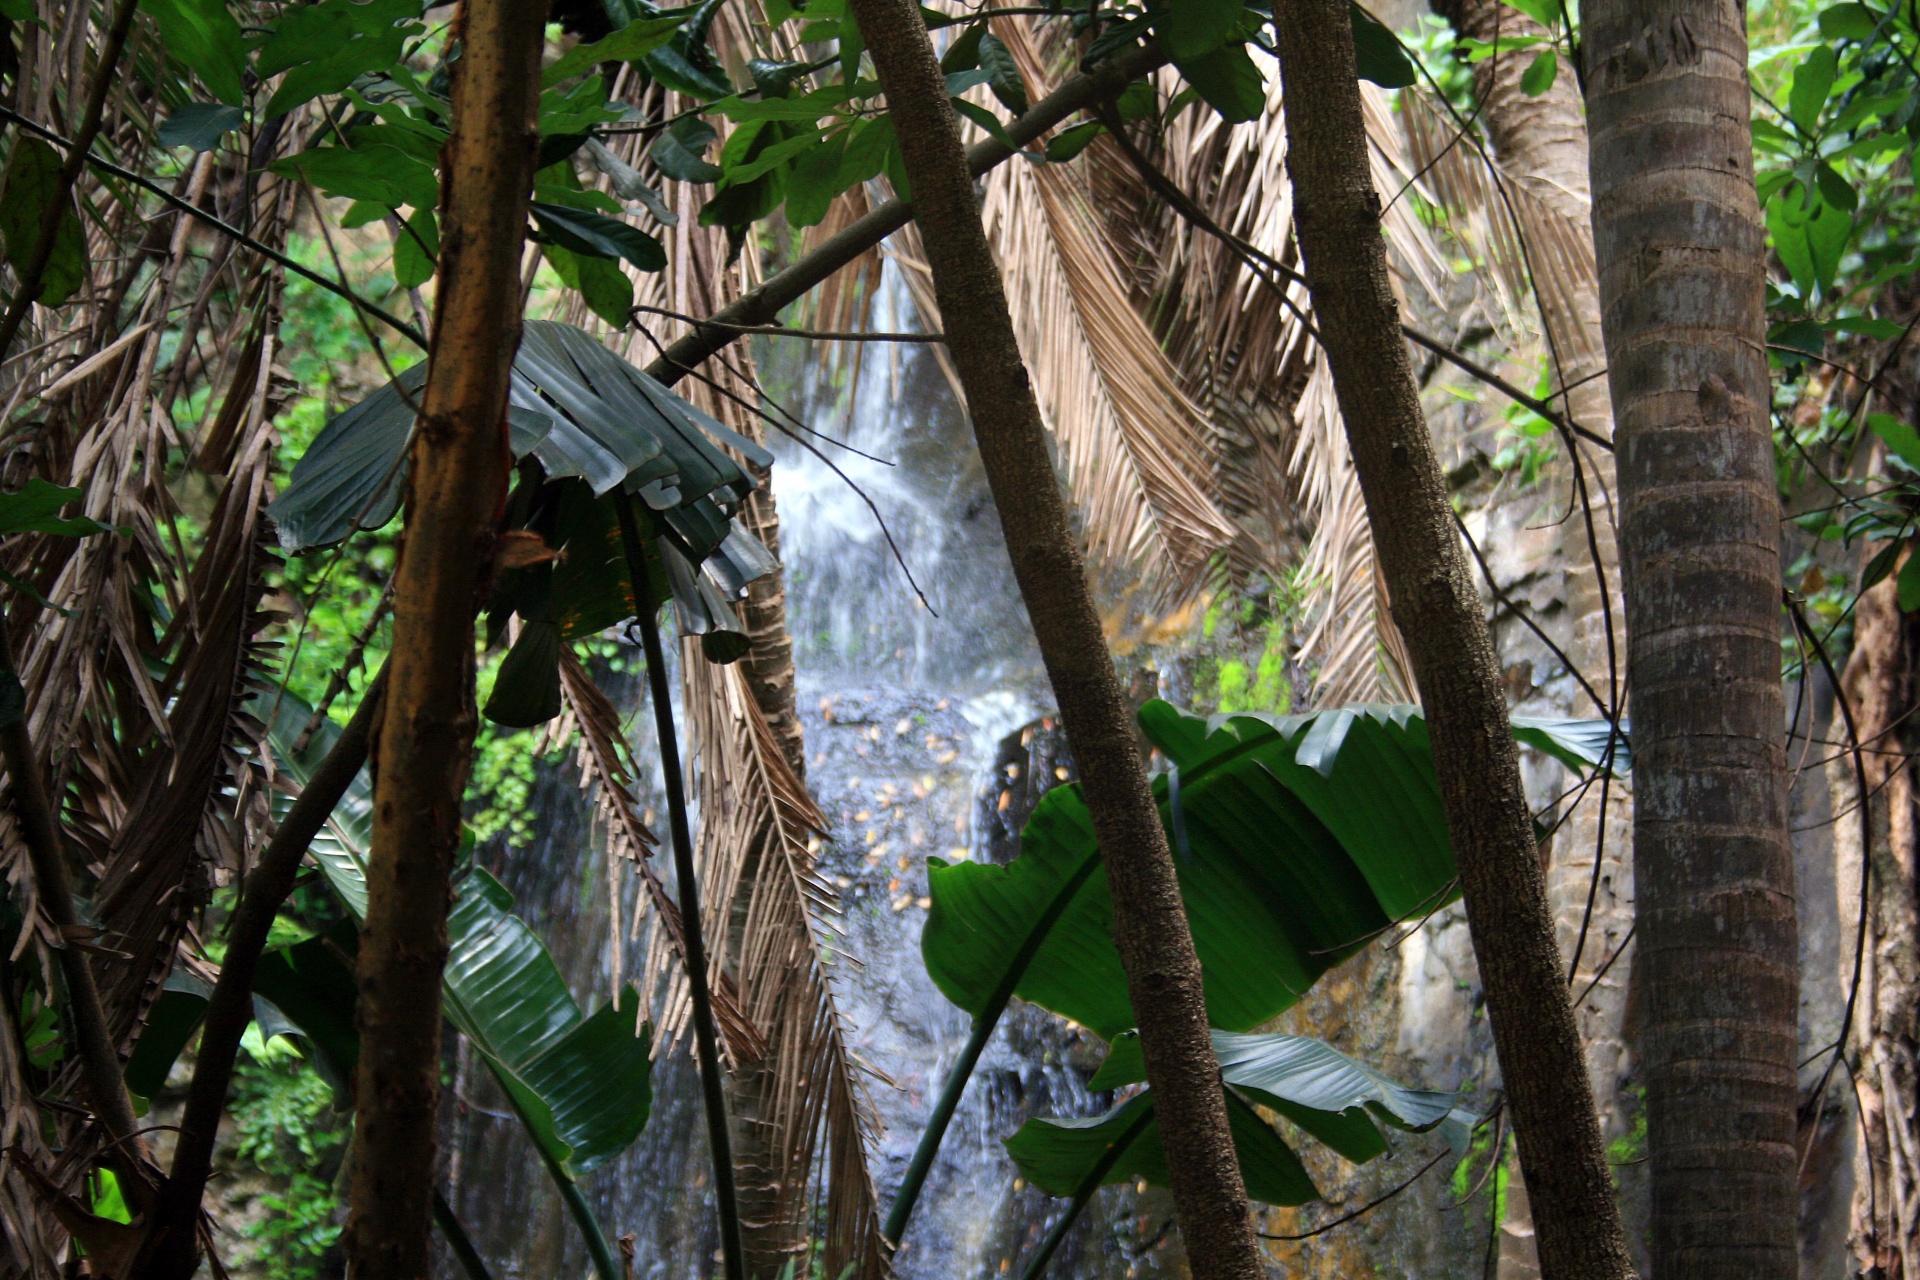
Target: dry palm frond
x,y
603,772
756,823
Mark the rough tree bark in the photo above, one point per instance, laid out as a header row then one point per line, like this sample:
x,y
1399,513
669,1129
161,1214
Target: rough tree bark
x,y
1539,142
1438,611
1150,926
455,489
1681,251
1884,1048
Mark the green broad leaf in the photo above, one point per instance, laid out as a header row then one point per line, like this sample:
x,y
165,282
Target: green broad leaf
x,y
1812,84
736,203
1540,73
813,181
32,183
36,509
1003,74
384,175
1849,21
775,156
964,53
1378,54
1058,1156
1190,28
803,110
312,985
1900,437
1868,327
203,36
868,144
1229,82
324,48
199,125
680,151
581,1084
415,249
601,284
631,43
1908,588
1328,1094
362,212
17,10
1808,336
1548,13
1880,566
577,110
526,689
1138,101
1836,190
595,235
1578,744
1070,142
985,119
774,79
171,1021
1810,245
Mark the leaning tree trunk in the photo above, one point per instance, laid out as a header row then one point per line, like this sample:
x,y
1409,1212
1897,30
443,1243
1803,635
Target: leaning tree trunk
x,y
455,490
1150,925
1681,251
1438,611
1539,145
1884,1048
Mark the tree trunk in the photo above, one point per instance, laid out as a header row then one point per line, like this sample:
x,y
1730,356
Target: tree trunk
x,y
455,489
1681,251
1885,1043
1539,144
1150,926
1438,611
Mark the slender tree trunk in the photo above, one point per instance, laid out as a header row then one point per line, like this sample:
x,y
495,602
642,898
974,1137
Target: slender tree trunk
x,y
1885,1043
1539,142
1438,611
1681,251
1150,926
455,490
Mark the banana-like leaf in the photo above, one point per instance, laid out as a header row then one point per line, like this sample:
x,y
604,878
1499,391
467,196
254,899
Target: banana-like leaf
x,y
1326,1093
1298,839
581,1084
1058,1155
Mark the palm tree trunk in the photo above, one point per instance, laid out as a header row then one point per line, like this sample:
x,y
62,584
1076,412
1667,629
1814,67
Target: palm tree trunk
x,y
422,754
1438,612
1884,1061
1682,270
1150,925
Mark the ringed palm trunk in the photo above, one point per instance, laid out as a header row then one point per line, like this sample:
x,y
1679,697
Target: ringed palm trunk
x,y
1680,247
1150,926
1438,612
1539,143
456,485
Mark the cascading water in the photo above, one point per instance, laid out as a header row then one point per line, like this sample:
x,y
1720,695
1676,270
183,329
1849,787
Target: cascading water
x,y
926,736
915,698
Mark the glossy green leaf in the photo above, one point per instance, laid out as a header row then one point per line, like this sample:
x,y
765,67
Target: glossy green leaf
x,y
1070,142
1229,81
1900,437
1058,1155
1540,73
1193,27
1003,74
595,235
679,151
32,183
1548,13
964,53
323,48
1378,54
985,119
383,174
1812,83
171,1021
1848,21
526,689
415,248
200,125
630,43
203,36
1578,744
813,181
36,509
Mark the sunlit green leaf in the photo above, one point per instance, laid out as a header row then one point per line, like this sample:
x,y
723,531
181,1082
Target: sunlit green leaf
x,y
1812,83
1540,73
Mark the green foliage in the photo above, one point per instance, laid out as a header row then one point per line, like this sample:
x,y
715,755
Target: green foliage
x,y
31,186
204,36
285,1125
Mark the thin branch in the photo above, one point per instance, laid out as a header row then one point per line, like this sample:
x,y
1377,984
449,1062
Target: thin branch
x,y
783,331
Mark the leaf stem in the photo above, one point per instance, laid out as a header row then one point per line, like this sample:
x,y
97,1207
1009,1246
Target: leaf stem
x,y
706,1040
457,1239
